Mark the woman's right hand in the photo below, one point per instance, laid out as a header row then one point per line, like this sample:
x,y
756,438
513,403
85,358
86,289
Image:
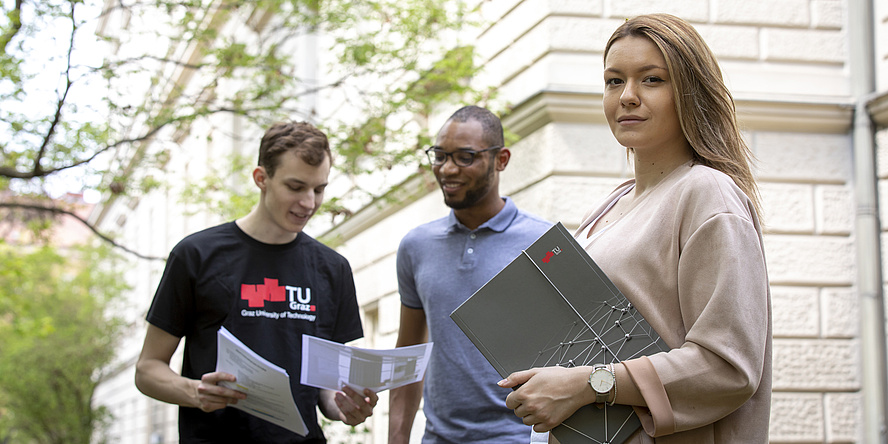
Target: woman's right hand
x,y
549,395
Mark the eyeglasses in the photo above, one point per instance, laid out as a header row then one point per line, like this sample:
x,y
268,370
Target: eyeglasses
x,y
461,158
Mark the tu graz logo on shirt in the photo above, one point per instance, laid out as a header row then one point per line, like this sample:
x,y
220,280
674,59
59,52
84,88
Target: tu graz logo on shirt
x,y
298,300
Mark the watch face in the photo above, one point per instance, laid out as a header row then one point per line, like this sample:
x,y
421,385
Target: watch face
x,y
601,380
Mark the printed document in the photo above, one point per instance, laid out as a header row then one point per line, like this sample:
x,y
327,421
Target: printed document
x,y
331,365
267,386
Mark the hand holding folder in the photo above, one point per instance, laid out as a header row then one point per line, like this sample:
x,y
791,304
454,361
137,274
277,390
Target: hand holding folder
x,y
552,305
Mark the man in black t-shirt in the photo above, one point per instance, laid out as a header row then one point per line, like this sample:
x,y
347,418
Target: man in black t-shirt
x,y
266,282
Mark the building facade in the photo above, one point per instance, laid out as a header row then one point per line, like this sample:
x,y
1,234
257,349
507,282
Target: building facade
x,y
810,82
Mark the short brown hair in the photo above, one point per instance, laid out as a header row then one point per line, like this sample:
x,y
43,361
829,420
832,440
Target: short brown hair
x,y
308,142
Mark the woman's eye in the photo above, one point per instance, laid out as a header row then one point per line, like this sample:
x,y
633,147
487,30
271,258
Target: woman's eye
x,y
653,79
612,82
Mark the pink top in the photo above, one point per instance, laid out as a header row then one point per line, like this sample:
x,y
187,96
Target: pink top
x,y
688,254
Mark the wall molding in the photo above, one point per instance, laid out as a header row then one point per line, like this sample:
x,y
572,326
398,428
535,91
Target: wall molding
x,y
753,114
878,109
400,196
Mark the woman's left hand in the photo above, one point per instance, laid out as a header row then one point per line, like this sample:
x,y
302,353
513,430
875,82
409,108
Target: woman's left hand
x,y
549,395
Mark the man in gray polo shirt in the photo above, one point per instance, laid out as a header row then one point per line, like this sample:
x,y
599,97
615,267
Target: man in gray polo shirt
x,y
443,262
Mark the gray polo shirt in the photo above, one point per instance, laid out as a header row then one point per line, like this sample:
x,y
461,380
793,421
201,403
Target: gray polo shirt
x,y
440,264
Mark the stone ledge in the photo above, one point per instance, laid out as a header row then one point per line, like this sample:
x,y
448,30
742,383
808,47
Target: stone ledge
x,y
878,108
752,113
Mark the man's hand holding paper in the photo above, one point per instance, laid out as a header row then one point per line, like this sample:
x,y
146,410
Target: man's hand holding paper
x,y
214,396
267,386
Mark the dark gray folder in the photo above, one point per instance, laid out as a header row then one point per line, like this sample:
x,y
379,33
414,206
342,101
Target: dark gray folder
x,y
552,305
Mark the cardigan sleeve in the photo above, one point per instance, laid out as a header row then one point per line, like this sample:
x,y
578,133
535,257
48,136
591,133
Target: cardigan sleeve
x,y
723,296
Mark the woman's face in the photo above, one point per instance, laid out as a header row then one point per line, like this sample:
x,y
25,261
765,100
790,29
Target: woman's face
x,y
638,100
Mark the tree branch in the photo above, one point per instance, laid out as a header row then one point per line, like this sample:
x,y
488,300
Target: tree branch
x,y
16,17
62,211
50,132
13,173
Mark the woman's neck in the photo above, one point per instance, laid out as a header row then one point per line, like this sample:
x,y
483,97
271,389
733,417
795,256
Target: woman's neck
x,y
650,170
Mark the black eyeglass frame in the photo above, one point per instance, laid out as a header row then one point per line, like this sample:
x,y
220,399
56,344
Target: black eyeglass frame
x,y
437,149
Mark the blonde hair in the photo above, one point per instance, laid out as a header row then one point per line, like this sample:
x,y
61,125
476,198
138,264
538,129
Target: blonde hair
x,y
703,103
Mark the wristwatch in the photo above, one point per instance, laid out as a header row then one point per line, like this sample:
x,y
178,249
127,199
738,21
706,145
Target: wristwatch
x,y
602,382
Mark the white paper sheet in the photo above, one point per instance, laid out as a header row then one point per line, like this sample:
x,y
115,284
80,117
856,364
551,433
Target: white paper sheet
x,y
267,386
330,365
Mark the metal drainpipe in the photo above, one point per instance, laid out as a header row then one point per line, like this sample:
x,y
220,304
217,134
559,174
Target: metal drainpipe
x,y
874,377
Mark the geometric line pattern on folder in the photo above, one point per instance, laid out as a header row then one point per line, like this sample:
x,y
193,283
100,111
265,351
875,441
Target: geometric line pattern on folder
x,y
609,333
601,339
604,335
566,312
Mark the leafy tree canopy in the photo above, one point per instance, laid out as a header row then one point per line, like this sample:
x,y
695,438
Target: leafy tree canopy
x,y
107,116
56,340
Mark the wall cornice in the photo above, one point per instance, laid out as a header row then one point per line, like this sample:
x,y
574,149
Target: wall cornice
x,y
553,106
405,193
795,116
753,114
878,109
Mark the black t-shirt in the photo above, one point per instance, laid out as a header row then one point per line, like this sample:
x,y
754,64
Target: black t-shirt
x,y
268,296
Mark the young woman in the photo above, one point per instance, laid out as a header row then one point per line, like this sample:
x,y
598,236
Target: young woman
x,y
682,241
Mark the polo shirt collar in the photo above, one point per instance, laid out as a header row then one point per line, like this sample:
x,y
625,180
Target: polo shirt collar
x,y
497,223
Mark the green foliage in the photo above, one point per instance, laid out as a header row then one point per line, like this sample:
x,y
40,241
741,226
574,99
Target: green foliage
x,y
227,192
399,60
56,336
44,131
375,145
115,122
409,43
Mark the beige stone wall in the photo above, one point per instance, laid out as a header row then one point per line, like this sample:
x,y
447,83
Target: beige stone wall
x,y
807,189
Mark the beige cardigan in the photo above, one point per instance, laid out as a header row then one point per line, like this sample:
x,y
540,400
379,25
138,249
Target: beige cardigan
x,y
689,255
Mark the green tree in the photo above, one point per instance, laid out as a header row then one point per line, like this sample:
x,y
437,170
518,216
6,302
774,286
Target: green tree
x,y
56,339
207,57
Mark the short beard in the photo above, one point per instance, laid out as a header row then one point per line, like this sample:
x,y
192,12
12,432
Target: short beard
x,y
474,195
